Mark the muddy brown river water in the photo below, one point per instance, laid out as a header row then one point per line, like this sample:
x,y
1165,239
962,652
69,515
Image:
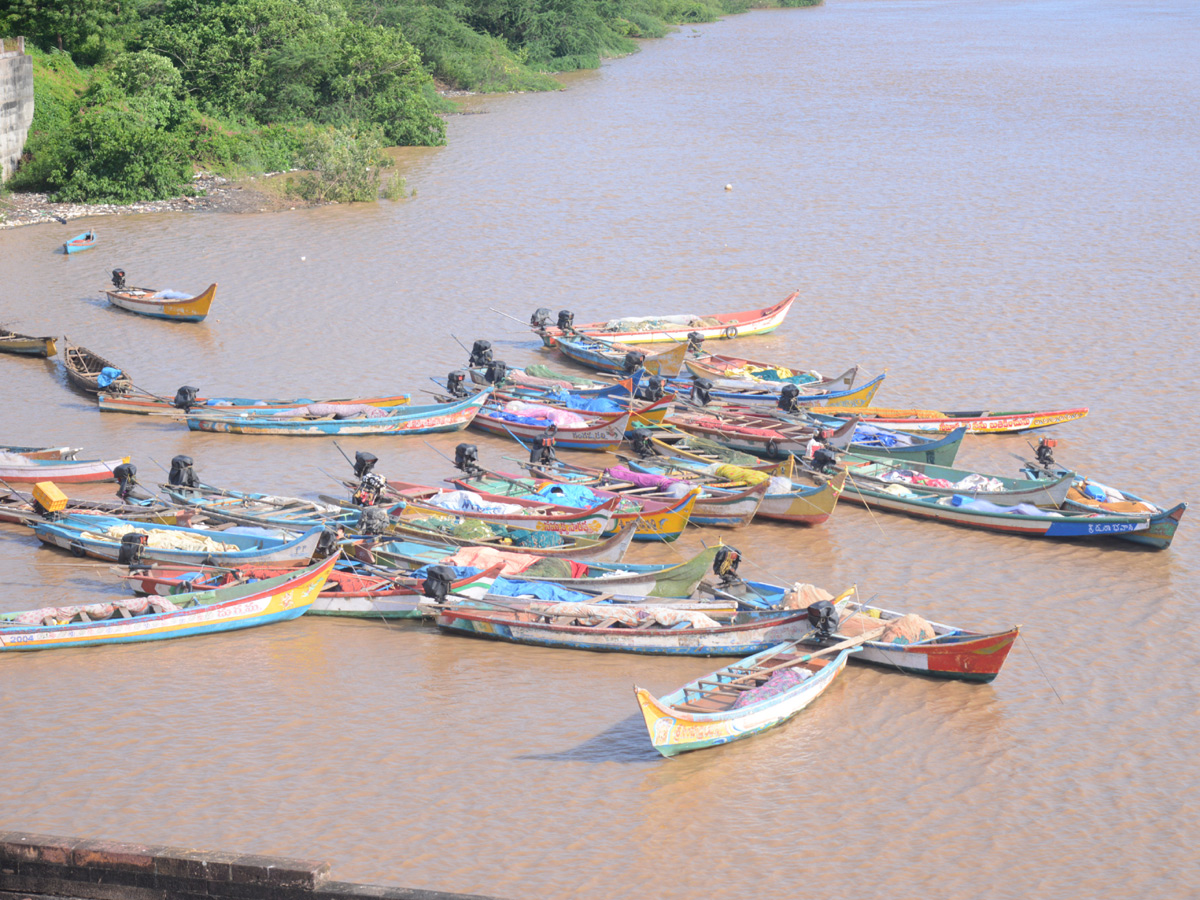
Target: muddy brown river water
x,y
995,202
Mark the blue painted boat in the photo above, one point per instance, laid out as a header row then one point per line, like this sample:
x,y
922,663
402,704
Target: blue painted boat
x,y
606,356
80,242
104,537
406,420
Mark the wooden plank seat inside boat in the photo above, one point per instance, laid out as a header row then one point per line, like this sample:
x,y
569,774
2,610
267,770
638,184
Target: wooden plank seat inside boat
x,y
719,695
125,608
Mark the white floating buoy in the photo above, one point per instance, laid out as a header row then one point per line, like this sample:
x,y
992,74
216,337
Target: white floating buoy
x,y
303,258
729,187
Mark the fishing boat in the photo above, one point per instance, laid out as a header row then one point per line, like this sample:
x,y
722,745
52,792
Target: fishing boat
x,y
649,406
730,395
661,329
765,436
187,402
264,510
92,373
79,243
124,621
609,356
738,701
880,472
17,507
721,368
26,345
159,304
116,540
526,421
42,452
977,421
463,531
322,420
16,468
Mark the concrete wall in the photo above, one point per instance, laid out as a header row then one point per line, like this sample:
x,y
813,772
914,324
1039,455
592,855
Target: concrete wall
x,y
16,103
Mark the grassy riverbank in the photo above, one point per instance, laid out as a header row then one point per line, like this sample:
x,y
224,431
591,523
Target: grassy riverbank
x,y
131,101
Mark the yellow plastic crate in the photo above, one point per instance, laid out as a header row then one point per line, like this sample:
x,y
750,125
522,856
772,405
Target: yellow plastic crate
x,y
51,498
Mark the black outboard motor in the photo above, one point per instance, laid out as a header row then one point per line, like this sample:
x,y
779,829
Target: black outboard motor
x,y
454,383
653,390
364,462
185,398
133,545
497,371
823,616
725,564
373,520
1045,452
182,474
540,318
466,459
481,354
702,391
369,490
641,443
634,360
438,580
787,398
566,320
824,459
542,451
328,542
695,339
126,475
118,279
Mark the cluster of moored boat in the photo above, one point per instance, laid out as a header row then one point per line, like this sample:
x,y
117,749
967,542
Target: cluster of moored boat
x,y
535,556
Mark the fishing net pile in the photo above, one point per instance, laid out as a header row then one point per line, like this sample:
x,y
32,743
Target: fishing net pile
x,y
62,615
161,539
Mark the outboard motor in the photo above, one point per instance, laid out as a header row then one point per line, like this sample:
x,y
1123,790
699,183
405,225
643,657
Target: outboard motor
x,y
126,475
634,360
364,462
497,371
328,542
540,318
438,581
566,320
1045,452
653,390
823,616
481,354
824,459
454,383
466,459
118,279
133,545
182,474
542,451
725,564
185,398
702,391
694,339
373,520
641,443
369,490
787,398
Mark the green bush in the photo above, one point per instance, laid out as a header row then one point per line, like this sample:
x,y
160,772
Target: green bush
x,y
345,166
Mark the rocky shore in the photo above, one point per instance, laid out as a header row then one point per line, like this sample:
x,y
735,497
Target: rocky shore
x,y
213,194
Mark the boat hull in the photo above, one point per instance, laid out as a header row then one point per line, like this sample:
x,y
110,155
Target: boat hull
x,y
415,420
980,423
22,345
67,471
145,405
144,303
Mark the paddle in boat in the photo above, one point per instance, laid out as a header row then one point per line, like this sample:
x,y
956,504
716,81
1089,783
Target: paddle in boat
x,y
25,344
158,304
246,605
80,242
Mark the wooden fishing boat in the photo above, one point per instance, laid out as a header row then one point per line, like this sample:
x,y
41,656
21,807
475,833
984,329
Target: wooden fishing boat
x,y
451,530
92,373
599,431
185,402
611,399
717,506
264,510
607,356
978,421
730,396
720,368
662,329
79,243
140,619
158,304
323,421
765,436
661,521
26,345
42,452
104,537
17,508
880,472
20,469
738,701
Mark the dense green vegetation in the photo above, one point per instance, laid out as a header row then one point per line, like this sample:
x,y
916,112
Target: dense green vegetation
x,y
131,98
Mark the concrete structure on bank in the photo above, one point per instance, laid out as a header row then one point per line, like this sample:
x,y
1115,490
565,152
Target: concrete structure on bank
x,y
38,865
16,102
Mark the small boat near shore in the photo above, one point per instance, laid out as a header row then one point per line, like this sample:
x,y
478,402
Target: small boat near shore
x,y
159,304
92,373
26,345
80,242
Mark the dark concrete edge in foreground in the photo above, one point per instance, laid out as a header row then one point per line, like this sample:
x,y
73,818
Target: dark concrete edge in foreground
x,y
38,865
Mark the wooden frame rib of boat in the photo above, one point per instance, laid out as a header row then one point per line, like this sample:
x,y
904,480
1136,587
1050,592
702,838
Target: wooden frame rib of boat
x,y
88,536
602,550
83,368
152,405
429,419
607,356
603,431
1154,530
708,711
65,471
718,326
880,472
79,243
228,609
980,421
150,302
26,345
